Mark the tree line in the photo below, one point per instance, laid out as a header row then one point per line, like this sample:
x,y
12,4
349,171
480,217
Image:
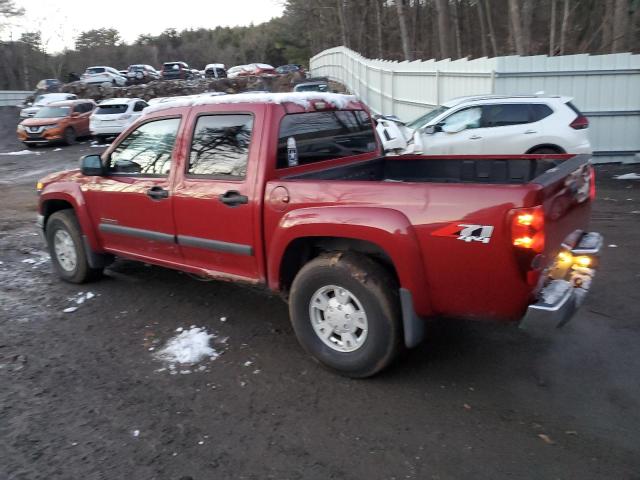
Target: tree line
x,y
389,29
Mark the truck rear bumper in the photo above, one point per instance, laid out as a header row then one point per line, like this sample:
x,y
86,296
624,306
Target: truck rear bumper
x,y
559,300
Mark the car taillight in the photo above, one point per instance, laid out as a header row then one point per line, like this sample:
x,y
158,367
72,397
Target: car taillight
x,y
527,229
592,184
580,123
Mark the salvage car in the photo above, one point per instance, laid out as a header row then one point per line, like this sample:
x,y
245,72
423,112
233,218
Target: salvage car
x,y
44,100
312,87
176,71
292,192
291,68
140,73
215,70
93,75
114,115
491,124
52,85
57,122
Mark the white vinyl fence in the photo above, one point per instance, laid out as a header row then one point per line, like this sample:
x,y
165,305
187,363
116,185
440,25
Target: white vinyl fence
x,y
605,87
11,98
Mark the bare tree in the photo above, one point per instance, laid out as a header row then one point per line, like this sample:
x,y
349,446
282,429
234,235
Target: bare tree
x,y
552,29
378,8
516,26
483,29
443,27
404,34
492,32
565,25
343,23
621,24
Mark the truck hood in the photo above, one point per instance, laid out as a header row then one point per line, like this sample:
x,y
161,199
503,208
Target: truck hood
x,y
63,176
396,137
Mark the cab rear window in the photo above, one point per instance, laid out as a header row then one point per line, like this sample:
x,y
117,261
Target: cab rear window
x,y
316,136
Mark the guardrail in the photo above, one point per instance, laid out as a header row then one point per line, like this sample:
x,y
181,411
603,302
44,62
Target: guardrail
x,y
11,98
605,87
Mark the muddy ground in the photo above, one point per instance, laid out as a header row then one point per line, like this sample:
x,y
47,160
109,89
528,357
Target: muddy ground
x,y
81,396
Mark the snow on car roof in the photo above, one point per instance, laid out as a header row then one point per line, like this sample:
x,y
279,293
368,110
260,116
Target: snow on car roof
x,y
299,98
117,101
214,65
263,65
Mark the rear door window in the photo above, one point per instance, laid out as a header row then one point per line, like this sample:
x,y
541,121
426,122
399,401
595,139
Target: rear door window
x,y
220,146
505,115
95,70
316,136
539,111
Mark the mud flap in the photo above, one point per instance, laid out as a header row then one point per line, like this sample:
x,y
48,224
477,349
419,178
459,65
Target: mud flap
x,y
414,326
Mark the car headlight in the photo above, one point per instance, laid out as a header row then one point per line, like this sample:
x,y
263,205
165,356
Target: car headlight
x,y
21,128
49,127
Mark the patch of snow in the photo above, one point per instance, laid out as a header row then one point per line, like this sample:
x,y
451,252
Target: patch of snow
x,y
70,309
136,433
20,152
303,99
613,245
30,261
57,149
628,176
554,291
248,363
188,347
179,329
223,319
99,146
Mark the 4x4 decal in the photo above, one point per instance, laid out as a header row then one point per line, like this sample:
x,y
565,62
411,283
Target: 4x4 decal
x,y
466,232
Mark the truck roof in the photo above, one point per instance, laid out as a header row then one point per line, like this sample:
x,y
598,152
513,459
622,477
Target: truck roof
x,y
302,99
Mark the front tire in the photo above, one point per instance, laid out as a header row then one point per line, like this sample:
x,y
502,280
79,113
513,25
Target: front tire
x,y
67,249
69,136
345,312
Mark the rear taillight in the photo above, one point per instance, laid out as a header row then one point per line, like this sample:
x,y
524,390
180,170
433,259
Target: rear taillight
x,y
527,229
592,184
580,123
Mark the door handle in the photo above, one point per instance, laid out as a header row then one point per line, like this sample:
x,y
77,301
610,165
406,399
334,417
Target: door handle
x,y
157,193
475,137
233,198
529,132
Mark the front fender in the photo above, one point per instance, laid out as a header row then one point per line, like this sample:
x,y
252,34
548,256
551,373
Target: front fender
x,y
71,193
389,229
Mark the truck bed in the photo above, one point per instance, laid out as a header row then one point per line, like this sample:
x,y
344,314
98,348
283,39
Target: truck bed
x,y
497,169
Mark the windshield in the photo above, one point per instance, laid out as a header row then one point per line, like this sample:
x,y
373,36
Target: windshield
x,y
136,68
426,118
53,112
111,109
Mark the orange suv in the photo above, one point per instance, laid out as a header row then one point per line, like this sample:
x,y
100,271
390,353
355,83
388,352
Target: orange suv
x,y
59,121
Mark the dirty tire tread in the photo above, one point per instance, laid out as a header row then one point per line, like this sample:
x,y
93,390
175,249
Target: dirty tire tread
x,y
375,288
66,219
69,136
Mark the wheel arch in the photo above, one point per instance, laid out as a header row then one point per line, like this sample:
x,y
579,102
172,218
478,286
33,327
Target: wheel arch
x,y
552,146
307,233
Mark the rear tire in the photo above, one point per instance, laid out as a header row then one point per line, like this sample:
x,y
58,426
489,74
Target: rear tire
x,y
345,312
69,136
67,249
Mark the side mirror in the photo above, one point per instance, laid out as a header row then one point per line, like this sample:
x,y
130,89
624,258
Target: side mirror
x,y
431,129
75,114
29,104
91,165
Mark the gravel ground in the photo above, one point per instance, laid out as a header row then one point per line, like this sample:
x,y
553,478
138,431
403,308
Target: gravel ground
x,y
83,397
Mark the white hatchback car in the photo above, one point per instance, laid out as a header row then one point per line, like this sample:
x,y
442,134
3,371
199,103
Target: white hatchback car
x,y
103,75
44,100
114,115
491,124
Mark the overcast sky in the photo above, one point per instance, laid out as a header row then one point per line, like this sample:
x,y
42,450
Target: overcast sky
x,y
60,22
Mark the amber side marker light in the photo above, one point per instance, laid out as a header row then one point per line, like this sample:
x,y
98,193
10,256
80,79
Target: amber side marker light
x,y
39,187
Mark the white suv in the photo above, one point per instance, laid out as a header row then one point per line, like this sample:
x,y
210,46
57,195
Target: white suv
x,y
491,124
113,116
103,75
44,100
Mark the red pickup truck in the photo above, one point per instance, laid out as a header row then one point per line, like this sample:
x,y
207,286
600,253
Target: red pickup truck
x,y
291,191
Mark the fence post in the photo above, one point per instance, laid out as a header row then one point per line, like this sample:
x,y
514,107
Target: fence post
x,y
393,90
437,87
